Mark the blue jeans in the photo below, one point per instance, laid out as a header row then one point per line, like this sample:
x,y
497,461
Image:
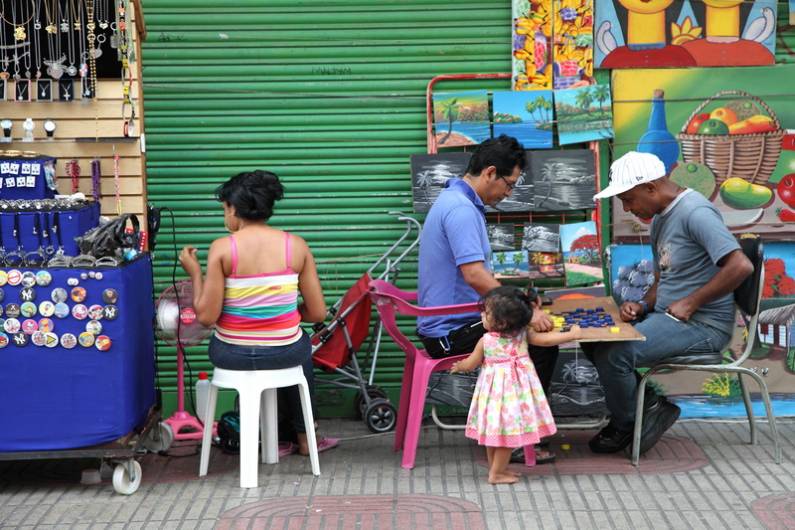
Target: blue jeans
x,y
234,357
665,337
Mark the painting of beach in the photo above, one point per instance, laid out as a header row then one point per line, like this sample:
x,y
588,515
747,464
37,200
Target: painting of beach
x,y
461,118
430,173
584,114
527,116
563,180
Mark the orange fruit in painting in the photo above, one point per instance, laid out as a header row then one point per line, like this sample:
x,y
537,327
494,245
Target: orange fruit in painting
x,y
725,115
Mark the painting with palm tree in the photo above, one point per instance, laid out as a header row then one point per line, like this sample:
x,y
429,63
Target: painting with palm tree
x,y
461,118
510,264
527,116
584,114
430,173
563,180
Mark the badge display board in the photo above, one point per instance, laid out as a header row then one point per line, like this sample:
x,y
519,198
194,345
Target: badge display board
x,y
59,397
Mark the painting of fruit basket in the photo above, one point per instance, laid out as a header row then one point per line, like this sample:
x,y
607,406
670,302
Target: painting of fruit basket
x,y
734,131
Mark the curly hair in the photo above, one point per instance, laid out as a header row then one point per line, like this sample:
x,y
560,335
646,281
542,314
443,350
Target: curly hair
x,y
253,194
509,308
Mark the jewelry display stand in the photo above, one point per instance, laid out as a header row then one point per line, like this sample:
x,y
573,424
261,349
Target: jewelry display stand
x,y
83,128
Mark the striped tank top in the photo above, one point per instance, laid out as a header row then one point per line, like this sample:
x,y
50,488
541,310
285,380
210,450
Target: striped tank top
x,y
260,309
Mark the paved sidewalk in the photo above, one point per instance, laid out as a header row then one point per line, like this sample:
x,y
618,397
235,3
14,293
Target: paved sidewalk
x,y
701,475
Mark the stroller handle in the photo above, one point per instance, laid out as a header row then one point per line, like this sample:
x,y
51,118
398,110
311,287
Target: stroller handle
x,y
411,224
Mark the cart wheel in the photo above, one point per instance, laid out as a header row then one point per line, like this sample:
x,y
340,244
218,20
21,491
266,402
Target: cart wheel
x,y
359,404
122,482
159,438
380,416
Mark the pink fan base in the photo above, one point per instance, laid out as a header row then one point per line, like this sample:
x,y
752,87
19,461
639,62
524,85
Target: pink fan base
x,y
185,426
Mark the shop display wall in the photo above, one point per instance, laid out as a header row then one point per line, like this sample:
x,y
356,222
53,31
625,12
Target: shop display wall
x,y
86,129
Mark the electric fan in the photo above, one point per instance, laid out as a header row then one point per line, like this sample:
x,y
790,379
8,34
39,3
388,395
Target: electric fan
x,y
177,325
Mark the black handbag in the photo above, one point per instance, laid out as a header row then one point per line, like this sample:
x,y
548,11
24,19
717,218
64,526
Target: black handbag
x,y
111,238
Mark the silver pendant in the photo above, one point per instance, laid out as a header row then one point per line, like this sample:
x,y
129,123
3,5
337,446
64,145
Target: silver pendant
x,y
55,70
71,70
96,53
103,25
37,25
64,26
114,41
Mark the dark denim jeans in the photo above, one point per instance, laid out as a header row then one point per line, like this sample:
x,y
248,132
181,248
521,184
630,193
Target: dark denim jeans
x,y
665,337
234,357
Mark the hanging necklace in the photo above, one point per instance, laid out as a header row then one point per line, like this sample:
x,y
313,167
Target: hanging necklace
x,y
15,57
92,52
20,34
71,50
102,14
82,47
55,66
4,59
37,37
64,13
76,24
28,56
50,28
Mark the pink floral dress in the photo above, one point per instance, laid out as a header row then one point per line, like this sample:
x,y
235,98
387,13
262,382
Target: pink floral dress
x,y
509,408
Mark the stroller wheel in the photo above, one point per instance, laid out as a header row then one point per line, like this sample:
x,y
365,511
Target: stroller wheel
x,y
380,416
359,404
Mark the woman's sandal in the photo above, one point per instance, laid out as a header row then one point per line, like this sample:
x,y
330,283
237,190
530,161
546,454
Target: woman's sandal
x,y
287,448
324,444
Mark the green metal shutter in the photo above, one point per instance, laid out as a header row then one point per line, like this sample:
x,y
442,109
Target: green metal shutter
x,y
328,95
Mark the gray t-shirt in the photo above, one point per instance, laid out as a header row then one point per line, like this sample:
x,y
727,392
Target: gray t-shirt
x,y
688,239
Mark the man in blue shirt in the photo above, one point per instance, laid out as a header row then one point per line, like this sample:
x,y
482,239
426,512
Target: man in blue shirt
x,y
455,254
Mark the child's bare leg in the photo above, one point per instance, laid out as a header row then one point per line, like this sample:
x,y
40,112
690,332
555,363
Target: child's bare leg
x,y
497,472
489,455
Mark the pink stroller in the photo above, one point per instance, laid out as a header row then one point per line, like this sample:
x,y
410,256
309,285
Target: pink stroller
x,y
336,343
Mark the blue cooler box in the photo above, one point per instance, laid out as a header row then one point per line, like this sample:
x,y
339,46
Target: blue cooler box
x,y
60,398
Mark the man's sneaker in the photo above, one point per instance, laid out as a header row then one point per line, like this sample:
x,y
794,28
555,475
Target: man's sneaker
x,y
656,421
610,440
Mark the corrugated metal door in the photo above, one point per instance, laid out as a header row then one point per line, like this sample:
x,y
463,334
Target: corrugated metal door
x,y
329,95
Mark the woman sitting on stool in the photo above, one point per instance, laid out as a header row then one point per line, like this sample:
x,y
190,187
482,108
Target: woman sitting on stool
x,y
251,291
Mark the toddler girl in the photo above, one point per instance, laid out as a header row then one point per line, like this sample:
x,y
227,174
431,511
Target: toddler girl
x,y
508,408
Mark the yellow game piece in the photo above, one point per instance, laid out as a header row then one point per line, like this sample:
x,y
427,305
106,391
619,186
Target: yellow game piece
x,y
615,329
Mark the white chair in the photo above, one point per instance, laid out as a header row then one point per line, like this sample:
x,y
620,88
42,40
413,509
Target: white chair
x,y
258,388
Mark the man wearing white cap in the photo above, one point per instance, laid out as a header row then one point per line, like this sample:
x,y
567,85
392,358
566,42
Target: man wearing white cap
x,y
688,309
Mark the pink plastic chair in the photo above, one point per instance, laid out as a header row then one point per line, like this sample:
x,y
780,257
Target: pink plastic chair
x,y
391,301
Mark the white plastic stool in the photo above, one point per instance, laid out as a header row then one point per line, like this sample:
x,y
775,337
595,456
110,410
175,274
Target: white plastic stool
x,y
258,387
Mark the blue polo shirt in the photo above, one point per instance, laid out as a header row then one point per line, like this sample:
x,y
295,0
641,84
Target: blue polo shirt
x,y
454,233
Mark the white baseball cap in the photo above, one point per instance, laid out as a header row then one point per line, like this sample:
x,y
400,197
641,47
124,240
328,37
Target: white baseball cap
x,y
630,170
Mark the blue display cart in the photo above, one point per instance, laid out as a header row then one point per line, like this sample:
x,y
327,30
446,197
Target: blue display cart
x,y
93,399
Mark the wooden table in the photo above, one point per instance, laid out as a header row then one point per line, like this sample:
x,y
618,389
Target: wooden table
x,y
626,330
